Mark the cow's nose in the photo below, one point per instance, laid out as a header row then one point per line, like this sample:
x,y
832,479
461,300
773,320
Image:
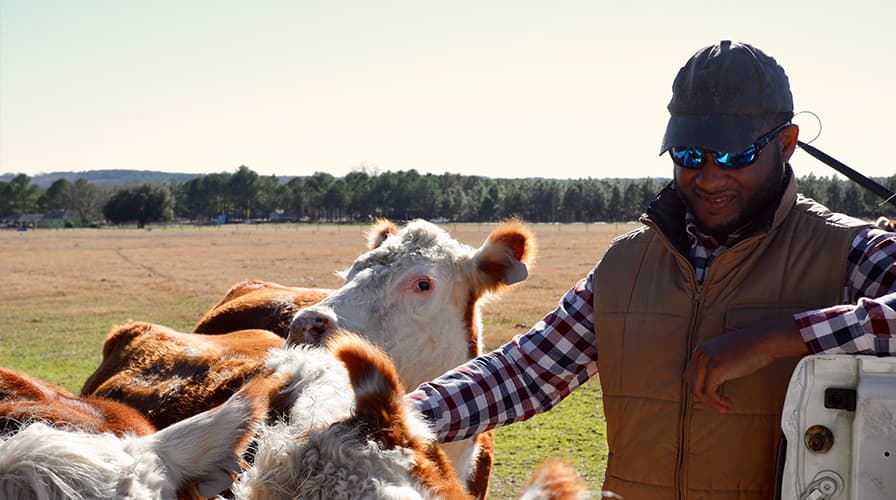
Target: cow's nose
x,y
310,327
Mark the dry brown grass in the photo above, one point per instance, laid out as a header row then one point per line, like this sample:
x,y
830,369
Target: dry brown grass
x,y
64,289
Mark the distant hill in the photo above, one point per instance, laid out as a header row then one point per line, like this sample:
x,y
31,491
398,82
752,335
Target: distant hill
x,y
108,178
117,177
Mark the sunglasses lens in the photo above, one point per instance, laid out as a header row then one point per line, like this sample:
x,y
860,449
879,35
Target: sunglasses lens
x,y
687,156
737,160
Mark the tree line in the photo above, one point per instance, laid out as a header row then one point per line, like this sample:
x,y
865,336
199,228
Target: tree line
x,y
361,195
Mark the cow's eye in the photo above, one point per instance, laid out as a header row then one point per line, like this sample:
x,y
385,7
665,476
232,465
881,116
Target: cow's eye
x,y
423,284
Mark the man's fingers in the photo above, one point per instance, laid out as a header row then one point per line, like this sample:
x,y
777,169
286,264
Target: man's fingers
x,y
696,375
713,395
705,383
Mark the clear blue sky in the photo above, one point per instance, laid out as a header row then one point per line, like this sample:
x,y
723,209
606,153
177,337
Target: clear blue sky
x,y
562,89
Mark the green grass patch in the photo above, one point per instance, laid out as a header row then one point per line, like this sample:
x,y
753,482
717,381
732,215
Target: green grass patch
x,y
63,344
573,431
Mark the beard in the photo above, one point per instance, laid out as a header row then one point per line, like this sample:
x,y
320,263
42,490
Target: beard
x,y
757,210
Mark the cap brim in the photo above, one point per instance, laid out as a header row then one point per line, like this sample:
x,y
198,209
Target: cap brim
x,y
730,133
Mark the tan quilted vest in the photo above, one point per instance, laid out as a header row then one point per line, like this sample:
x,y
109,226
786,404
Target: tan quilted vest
x,y
649,316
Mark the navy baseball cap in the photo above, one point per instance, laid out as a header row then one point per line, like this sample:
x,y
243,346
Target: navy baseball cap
x,y
723,97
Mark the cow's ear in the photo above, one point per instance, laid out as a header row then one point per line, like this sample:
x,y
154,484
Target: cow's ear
x,y
378,233
205,450
515,272
379,408
507,253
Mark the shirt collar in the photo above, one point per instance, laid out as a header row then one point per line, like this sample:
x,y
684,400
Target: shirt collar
x,y
698,238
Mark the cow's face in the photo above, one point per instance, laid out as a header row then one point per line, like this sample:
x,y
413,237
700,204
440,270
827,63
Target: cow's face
x,y
416,294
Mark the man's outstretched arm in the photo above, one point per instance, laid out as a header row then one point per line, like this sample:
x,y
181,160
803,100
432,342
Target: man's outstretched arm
x,y
527,375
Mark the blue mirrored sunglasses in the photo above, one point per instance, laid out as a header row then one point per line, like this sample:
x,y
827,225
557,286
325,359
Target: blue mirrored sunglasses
x,y
692,157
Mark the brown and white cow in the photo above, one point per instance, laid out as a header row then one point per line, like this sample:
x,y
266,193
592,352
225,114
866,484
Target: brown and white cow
x,y
194,458
169,375
25,399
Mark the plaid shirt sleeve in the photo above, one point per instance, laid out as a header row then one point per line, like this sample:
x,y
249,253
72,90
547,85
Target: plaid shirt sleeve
x,y
866,323
527,375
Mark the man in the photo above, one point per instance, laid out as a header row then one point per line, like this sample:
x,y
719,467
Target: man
x,y
696,319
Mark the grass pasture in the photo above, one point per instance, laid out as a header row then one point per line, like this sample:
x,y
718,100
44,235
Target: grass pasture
x,y
64,289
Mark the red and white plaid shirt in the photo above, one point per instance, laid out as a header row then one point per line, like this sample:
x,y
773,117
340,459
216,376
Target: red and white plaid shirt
x,y
534,371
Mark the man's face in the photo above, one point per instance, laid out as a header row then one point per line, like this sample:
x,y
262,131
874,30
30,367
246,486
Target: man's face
x,y
723,201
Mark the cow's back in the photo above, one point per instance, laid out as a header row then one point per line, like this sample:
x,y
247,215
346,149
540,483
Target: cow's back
x,y
257,304
24,399
169,376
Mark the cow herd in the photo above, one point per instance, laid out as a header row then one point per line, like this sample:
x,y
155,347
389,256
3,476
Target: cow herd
x,y
280,392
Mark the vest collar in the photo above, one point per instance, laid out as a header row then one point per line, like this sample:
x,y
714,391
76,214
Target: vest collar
x,y
788,199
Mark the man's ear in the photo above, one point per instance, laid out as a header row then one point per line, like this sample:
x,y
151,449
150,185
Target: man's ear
x,y
788,138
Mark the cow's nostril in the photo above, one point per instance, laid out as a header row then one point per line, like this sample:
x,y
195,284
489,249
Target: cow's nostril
x,y
309,328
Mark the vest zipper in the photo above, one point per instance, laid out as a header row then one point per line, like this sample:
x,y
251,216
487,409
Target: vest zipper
x,y
684,413
680,482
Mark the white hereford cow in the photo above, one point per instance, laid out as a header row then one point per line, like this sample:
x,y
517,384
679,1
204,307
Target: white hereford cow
x,y
416,293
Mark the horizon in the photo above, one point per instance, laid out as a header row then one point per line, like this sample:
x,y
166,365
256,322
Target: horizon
x,y
68,173
44,179
502,90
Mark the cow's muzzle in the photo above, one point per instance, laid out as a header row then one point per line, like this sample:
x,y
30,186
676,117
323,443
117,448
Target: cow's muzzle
x,y
310,326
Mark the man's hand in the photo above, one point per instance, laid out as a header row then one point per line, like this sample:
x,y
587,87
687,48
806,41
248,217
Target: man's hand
x,y
737,354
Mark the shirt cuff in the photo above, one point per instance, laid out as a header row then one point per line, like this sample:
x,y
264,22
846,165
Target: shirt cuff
x,y
831,330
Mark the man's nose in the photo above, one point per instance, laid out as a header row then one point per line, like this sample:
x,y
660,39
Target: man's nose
x,y
711,175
